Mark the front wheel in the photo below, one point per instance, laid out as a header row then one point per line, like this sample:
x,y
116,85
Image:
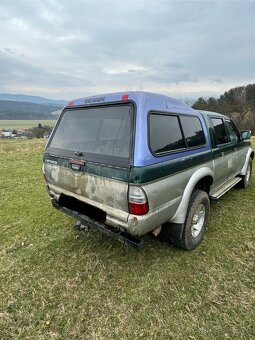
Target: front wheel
x,y
246,180
196,220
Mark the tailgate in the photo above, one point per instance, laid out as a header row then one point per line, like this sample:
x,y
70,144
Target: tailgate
x,y
89,154
90,185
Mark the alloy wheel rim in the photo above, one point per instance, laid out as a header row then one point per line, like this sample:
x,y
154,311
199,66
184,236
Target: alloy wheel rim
x,y
198,221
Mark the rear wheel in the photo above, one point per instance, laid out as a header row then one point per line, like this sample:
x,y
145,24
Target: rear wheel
x,y
246,180
191,233
196,220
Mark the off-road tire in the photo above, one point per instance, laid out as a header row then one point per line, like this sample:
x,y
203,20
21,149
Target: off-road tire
x,y
246,180
199,200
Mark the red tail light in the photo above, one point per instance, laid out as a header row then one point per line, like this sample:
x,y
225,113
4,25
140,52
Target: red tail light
x,y
137,201
138,209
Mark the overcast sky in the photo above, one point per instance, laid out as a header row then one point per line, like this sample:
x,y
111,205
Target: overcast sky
x,y
67,49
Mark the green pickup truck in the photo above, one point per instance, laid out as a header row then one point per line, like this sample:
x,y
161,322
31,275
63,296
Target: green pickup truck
x,y
132,163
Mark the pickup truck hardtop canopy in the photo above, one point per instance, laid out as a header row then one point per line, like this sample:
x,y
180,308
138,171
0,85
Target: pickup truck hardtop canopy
x,y
144,103
147,100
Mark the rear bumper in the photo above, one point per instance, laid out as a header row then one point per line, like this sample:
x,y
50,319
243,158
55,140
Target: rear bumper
x,y
112,232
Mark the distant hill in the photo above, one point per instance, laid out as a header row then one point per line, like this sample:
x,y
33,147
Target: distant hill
x,y
31,99
21,110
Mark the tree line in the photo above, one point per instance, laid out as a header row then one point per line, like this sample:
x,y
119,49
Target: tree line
x,y
237,103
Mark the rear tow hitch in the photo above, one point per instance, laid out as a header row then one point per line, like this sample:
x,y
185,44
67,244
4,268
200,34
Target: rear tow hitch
x,y
85,222
82,228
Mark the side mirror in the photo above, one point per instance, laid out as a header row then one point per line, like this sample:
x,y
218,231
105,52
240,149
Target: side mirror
x,y
246,135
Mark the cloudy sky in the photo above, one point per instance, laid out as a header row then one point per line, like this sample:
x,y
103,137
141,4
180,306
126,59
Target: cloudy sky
x,y
67,49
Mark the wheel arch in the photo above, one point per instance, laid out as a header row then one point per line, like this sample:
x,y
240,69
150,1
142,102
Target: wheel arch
x,y
250,154
204,184
201,179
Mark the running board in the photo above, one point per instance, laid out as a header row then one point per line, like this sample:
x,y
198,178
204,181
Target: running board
x,y
224,188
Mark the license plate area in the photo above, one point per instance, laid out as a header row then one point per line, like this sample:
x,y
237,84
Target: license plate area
x,y
82,207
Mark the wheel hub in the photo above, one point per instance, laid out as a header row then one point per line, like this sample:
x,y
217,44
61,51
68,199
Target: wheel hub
x,y
198,221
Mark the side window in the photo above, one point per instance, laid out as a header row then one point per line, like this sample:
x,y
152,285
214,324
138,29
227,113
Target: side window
x,y
165,133
233,132
220,131
193,131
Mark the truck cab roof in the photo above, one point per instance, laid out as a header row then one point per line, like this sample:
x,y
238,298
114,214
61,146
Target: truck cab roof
x,y
212,113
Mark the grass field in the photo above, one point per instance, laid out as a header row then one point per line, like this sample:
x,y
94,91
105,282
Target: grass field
x,y
15,124
55,284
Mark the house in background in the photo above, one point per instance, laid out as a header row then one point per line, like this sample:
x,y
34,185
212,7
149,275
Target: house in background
x,y
7,134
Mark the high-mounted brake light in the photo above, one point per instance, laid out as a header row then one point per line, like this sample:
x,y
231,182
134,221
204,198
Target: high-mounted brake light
x,y
124,97
71,103
137,201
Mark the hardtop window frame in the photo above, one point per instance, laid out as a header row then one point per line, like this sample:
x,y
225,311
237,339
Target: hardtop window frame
x,y
98,158
178,115
196,146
